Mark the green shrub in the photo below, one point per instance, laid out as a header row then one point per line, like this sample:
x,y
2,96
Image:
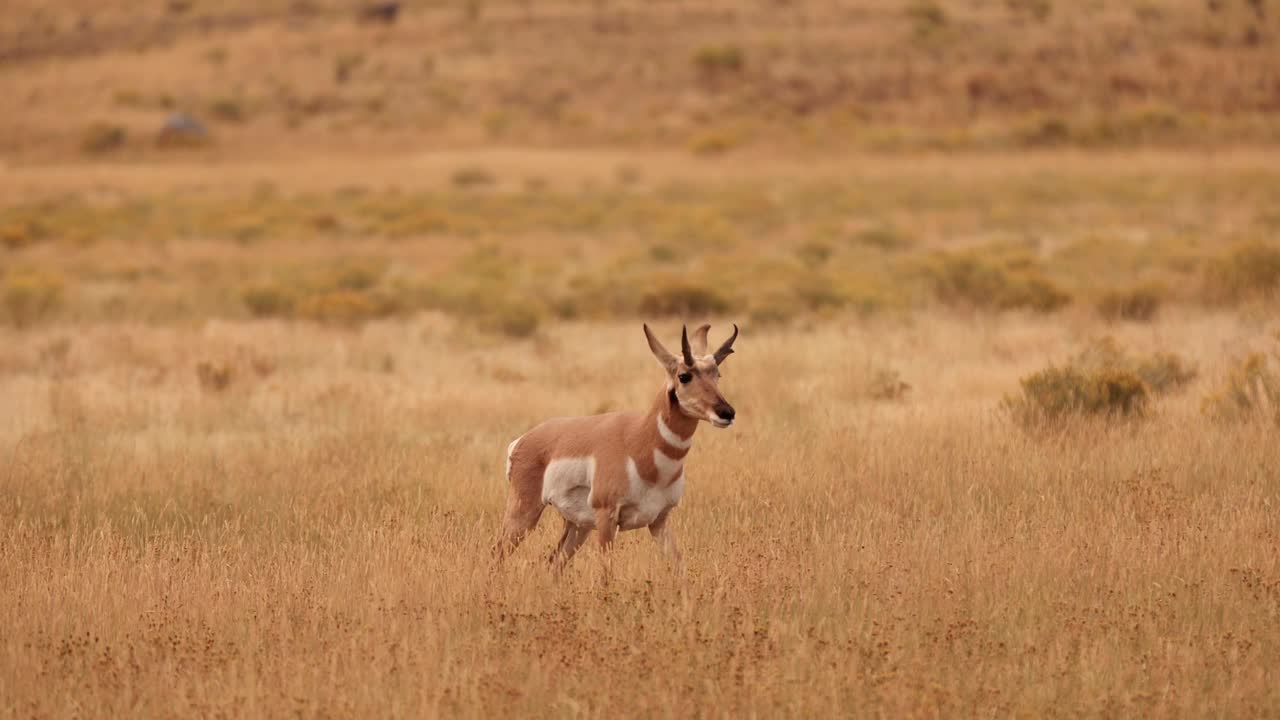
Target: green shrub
x,y
1039,10
1163,372
927,17
772,314
350,308
883,238
1056,393
18,235
1247,270
1101,380
683,299
970,279
716,141
227,110
268,300
101,138
30,297
472,177
214,377
719,59
814,253
345,64
886,384
351,275
513,319
1138,304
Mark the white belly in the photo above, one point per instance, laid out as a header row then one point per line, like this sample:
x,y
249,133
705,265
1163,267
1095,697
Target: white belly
x,y
566,486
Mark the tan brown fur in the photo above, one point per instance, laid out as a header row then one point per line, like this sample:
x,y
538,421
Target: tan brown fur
x,y
612,439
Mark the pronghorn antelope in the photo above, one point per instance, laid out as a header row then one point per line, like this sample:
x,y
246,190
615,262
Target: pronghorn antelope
x,y
622,470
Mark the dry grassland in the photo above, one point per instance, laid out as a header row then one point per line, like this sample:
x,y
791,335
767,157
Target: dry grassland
x,y
1008,381
302,528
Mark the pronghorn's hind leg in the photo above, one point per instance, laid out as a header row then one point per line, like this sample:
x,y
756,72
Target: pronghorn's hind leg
x,y
521,517
524,502
570,541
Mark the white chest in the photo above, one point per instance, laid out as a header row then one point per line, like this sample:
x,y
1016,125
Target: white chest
x,y
645,502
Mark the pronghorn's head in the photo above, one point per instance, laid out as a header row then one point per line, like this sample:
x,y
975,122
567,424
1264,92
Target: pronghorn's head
x,y
694,377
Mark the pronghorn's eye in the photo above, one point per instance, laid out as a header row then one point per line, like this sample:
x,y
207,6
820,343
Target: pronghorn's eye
x,y
686,377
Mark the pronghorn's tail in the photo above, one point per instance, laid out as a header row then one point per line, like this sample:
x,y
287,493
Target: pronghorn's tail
x,y
511,449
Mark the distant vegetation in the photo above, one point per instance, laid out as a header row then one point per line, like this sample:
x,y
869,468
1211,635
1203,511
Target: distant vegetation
x,y
807,75
775,255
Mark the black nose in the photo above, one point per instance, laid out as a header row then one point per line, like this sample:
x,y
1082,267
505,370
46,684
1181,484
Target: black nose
x,y
725,412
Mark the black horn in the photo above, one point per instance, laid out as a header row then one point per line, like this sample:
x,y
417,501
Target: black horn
x,y
684,346
726,349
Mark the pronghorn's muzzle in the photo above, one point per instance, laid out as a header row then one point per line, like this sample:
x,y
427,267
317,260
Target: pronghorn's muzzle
x,y
724,415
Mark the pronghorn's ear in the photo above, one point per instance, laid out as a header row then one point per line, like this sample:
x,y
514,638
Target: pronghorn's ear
x,y
727,348
700,340
665,358
684,346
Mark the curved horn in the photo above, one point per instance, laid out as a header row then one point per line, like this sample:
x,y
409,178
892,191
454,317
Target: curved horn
x,y
699,340
727,348
684,346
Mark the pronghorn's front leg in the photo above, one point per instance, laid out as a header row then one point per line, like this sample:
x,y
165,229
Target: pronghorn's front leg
x,y
607,526
666,539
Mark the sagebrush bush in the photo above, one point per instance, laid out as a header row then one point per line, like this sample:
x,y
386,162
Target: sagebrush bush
x,y
971,279
719,59
1250,390
927,16
884,238
268,300
1245,271
513,319
887,384
715,141
228,110
1101,380
1163,372
685,299
214,377
349,308
29,297
102,137
472,177
18,235
1059,392
1137,304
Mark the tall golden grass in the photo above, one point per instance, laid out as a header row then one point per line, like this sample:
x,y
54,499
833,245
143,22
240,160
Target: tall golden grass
x,y
309,535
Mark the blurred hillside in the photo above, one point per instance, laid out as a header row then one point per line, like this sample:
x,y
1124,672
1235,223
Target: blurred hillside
x,y
99,77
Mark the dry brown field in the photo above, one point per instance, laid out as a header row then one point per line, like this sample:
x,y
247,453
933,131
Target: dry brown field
x,y
1008,382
